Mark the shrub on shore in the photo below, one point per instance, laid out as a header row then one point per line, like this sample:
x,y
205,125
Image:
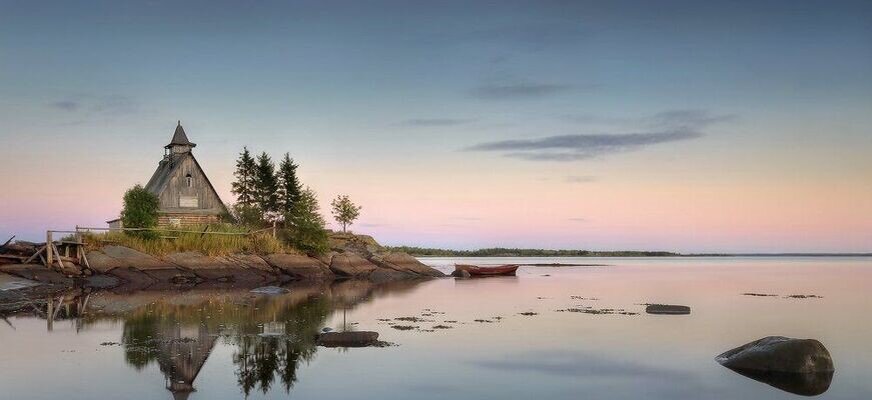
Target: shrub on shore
x,y
140,211
165,241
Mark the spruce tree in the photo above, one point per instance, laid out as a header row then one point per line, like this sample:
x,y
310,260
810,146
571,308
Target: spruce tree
x,y
305,225
244,187
290,189
266,185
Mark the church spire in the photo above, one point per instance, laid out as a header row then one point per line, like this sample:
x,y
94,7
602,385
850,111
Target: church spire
x,y
180,142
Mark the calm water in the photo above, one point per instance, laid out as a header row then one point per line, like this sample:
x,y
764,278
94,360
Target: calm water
x,y
230,344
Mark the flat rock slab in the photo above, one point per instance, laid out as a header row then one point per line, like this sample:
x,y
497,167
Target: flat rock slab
x,y
235,275
299,266
9,282
667,309
102,281
253,261
406,263
35,272
102,263
132,279
348,339
351,265
779,354
194,261
128,257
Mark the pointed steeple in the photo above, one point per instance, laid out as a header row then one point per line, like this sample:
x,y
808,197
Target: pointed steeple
x,y
180,142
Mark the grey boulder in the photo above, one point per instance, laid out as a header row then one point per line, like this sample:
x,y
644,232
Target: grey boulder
x,y
779,354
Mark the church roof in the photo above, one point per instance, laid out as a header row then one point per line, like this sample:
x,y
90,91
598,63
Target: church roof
x,y
180,138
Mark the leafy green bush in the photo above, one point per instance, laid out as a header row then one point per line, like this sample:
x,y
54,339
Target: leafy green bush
x,y
140,211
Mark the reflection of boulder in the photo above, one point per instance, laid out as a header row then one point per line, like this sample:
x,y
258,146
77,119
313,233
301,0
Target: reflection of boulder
x,y
802,366
802,384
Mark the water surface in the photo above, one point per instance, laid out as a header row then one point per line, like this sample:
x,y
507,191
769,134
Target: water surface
x,y
507,337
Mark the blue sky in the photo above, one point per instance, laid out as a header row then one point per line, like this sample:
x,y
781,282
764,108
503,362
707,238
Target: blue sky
x,y
456,106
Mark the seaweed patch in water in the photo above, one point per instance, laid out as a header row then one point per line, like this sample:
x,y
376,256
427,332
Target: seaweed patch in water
x,y
404,327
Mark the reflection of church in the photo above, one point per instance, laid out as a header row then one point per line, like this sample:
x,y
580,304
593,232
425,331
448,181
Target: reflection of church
x,y
182,352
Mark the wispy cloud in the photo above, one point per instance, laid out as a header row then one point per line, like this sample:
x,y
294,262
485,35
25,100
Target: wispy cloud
x,y
519,90
66,105
580,179
428,122
97,105
577,219
580,147
688,118
670,126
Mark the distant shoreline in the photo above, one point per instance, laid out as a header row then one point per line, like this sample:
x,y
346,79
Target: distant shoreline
x,y
507,252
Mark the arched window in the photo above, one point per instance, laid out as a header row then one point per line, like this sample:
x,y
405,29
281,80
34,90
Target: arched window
x,y
189,180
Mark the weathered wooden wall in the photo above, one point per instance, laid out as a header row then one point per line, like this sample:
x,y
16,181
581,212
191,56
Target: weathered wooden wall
x,y
208,201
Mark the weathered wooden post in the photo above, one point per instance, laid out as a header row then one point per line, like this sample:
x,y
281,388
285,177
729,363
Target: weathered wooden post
x,y
49,314
48,248
274,229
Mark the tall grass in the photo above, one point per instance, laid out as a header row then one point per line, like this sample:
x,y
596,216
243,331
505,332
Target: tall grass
x,y
168,241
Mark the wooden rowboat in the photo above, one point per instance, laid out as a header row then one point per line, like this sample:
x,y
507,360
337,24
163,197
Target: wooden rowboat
x,y
475,270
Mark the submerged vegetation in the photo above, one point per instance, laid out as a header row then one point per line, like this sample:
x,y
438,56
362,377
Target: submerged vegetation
x,y
510,252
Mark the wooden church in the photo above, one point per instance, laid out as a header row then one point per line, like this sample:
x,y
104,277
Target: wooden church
x,y
185,193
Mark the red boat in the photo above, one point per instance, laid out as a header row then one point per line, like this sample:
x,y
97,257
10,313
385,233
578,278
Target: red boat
x,y
475,270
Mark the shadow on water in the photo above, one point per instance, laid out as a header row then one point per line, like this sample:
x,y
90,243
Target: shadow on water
x,y
801,384
176,330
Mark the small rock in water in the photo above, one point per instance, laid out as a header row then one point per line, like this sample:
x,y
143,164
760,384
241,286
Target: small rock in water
x,y
667,309
348,339
270,290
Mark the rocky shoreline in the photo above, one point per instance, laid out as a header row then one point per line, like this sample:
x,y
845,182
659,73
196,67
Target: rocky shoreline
x,y
113,266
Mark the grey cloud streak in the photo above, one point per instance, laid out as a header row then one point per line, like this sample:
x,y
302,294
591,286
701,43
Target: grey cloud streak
x,y
581,147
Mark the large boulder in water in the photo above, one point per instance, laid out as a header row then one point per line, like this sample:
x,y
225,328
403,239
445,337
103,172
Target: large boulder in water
x,y
800,366
779,354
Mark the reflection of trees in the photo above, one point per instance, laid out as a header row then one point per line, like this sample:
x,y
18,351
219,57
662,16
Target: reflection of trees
x,y
272,335
259,359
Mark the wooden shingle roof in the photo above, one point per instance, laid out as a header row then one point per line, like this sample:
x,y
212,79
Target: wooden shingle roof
x,y
180,138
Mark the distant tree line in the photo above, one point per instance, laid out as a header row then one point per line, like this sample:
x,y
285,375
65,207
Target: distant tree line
x,y
512,252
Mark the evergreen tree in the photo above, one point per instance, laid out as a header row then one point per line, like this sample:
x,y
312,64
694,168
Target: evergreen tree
x,y
306,225
266,185
244,186
344,211
289,185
